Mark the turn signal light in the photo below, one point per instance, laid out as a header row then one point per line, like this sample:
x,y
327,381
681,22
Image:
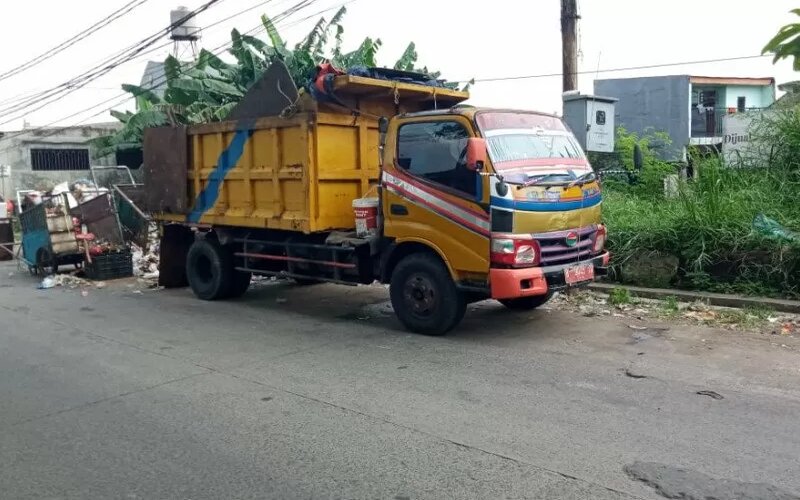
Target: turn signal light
x,y
515,251
599,239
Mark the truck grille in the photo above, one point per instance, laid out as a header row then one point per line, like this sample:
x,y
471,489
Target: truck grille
x,y
555,250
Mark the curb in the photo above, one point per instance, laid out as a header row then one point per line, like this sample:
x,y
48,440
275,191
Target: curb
x,y
714,299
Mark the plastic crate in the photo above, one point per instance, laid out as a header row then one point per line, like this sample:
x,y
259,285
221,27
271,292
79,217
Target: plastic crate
x,y
110,266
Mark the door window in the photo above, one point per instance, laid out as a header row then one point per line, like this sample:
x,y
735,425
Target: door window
x,y
437,152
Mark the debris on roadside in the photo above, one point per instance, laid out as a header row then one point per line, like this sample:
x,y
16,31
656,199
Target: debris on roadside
x,y
588,303
47,283
145,261
63,280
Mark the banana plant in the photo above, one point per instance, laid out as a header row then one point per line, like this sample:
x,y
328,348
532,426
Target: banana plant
x,y
207,89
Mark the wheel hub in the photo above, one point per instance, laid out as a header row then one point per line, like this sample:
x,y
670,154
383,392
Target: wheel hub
x,y
420,295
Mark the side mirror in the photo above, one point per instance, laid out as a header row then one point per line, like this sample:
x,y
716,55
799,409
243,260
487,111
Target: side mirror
x,y
383,125
383,128
476,153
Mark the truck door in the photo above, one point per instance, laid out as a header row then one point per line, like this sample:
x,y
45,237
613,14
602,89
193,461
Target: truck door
x,y
431,197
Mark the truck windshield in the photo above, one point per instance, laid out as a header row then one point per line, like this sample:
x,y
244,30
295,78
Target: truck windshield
x,y
517,141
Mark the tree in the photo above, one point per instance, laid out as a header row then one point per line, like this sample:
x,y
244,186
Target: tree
x,y
786,43
207,89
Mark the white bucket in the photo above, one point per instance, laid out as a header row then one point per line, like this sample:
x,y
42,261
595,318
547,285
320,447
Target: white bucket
x,y
366,214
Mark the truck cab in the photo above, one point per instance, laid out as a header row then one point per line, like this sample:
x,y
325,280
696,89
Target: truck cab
x,y
505,199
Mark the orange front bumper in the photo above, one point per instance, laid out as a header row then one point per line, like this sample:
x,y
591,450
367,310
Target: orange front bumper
x,y
513,283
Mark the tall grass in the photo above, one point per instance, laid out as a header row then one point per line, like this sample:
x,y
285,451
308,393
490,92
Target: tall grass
x,y
709,228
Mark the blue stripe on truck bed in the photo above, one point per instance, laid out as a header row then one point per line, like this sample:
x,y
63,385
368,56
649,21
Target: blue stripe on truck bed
x,y
226,161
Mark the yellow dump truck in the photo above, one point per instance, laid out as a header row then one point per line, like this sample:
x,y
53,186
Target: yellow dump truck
x,y
377,179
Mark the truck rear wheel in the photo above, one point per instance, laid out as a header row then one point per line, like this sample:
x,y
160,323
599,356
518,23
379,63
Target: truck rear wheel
x,y
526,303
209,270
424,296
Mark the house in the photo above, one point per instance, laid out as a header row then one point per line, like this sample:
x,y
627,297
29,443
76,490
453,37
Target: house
x,y
39,158
688,108
154,78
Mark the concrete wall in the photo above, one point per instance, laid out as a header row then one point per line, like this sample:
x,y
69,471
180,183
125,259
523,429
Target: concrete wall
x,y
15,152
755,97
649,104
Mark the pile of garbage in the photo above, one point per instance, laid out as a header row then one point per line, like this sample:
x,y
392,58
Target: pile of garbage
x,y
75,193
145,260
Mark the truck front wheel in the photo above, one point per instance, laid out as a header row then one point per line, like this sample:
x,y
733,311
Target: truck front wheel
x,y
208,270
424,296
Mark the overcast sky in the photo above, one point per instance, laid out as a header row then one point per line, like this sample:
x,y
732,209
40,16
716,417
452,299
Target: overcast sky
x,y
501,38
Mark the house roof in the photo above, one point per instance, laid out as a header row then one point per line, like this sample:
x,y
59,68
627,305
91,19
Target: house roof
x,y
704,80
724,80
154,77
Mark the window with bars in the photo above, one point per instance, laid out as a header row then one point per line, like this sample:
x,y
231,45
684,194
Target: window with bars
x,y
59,159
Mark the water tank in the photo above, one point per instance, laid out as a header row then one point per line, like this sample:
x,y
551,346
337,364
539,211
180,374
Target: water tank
x,y
186,30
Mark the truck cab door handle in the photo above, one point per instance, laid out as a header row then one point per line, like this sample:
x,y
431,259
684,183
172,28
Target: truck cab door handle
x,y
396,209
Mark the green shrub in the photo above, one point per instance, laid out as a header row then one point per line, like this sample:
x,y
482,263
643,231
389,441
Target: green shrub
x,y
619,297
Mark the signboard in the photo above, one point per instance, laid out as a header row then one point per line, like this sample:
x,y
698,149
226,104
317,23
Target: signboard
x,y
738,145
5,171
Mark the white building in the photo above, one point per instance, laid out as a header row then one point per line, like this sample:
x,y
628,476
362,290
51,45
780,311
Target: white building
x,y
40,158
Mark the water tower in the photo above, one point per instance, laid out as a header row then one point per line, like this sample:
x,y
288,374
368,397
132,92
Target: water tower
x,y
185,33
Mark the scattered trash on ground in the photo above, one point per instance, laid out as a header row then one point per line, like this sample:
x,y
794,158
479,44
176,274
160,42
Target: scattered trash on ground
x,y
592,304
47,283
145,263
64,280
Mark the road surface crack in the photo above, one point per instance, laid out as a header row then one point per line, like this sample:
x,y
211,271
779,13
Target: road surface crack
x,y
103,400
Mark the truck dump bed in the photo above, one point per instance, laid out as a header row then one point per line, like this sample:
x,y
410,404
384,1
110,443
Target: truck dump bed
x,y
299,171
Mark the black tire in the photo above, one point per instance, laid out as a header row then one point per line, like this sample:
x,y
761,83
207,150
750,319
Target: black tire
x,y
209,270
46,263
424,296
240,282
526,303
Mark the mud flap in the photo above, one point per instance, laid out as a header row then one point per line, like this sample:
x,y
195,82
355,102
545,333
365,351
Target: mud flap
x,y
175,242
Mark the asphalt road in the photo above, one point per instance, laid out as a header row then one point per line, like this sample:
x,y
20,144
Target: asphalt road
x,y
316,392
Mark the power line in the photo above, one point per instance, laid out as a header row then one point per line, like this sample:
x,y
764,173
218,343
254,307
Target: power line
x,y
60,91
613,70
25,100
73,40
218,50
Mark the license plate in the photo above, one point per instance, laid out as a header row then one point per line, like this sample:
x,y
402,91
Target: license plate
x,y
579,274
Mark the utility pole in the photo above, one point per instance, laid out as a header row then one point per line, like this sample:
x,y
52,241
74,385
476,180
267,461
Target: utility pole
x,y
569,43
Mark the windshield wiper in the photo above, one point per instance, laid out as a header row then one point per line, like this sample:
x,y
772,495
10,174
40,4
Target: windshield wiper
x,y
584,179
537,180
